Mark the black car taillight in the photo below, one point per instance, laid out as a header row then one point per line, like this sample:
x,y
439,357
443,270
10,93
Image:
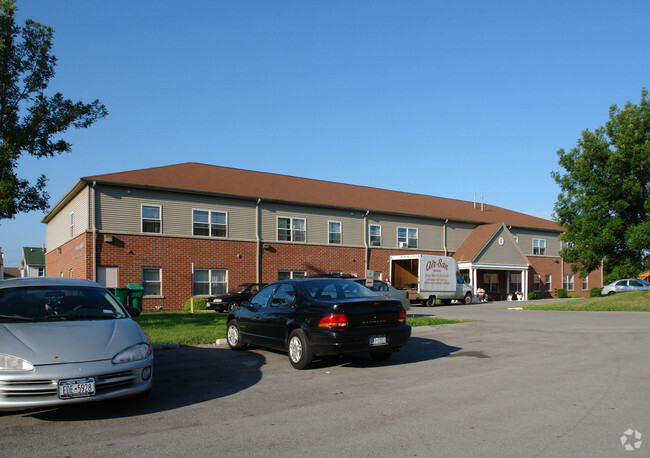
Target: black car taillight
x,y
334,321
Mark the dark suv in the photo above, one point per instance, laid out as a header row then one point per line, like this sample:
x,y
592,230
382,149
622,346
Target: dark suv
x,y
233,298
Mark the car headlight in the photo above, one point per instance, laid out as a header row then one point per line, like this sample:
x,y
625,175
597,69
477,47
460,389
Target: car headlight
x,y
11,363
134,353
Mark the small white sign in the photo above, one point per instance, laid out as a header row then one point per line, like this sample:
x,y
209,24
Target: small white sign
x,y
370,278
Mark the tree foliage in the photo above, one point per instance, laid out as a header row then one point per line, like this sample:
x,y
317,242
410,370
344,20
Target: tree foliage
x,y
604,202
31,122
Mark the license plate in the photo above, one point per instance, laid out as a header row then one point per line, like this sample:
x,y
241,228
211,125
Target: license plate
x,y
76,388
376,341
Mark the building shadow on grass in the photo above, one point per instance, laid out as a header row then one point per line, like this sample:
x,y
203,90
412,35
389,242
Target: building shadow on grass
x,y
182,377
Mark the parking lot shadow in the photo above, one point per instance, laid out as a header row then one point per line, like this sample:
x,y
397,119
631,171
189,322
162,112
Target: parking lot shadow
x,y
182,377
417,350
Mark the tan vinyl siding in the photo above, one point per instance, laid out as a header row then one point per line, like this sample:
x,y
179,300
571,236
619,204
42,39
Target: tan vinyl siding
x,y
457,233
430,232
504,254
317,223
121,211
526,237
57,231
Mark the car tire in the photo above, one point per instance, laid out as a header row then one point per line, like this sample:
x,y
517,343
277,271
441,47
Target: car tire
x,y
431,301
468,298
380,355
233,336
233,306
299,349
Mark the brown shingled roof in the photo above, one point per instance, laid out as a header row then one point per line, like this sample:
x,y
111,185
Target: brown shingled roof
x,y
195,177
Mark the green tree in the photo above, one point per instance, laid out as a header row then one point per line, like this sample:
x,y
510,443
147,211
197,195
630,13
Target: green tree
x,y
31,122
604,202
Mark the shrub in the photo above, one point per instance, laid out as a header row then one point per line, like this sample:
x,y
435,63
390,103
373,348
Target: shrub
x,y
532,296
574,295
595,292
199,304
561,293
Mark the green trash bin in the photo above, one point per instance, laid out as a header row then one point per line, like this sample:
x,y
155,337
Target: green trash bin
x,y
122,295
135,292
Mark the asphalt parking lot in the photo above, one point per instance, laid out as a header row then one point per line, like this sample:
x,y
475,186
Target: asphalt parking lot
x,y
513,383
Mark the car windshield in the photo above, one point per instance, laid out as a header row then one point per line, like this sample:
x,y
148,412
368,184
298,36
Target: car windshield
x,y
48,303
328,289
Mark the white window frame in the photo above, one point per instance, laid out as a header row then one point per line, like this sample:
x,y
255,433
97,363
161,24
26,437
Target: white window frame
x,y
408,238
537,282
376,242
330,233
213,286
585,284
540,249
292,231
568,282
547,283
518,282
157,283
71,225
142,218
209,223
293,274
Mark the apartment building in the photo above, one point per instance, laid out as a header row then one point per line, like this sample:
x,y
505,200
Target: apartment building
x,y
196,229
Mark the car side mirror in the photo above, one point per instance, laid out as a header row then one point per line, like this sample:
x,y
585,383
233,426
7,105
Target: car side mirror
x,y
247,304
134,312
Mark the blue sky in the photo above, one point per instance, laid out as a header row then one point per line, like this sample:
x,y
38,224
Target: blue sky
x,y
431,97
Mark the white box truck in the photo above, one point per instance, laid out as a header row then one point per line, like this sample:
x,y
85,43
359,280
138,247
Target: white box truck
x,y
429,277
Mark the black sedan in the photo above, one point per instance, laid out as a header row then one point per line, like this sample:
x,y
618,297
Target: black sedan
x,y
233,298
314,317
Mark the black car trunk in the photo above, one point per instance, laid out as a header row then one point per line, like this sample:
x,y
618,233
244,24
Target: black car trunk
x,y
373,313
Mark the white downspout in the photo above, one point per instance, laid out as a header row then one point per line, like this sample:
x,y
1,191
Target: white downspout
x,y
94,215
258,240
365,241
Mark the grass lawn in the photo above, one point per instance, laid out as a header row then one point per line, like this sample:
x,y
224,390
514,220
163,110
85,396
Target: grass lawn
x,y
206,327
633,301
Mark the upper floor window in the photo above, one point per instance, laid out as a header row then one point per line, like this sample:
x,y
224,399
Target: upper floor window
x,y
407,237
71,224
210,223
539,247
41,271
292,229
151,220
334,232
375,235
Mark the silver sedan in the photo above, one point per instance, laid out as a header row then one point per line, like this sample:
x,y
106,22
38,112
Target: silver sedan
x,y
65,341
386,290
627,284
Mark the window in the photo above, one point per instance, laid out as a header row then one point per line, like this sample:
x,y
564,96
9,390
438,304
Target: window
x,y
567,245
516,239
539,247
151,221
567,282
285,296
292,229
71,224
261,299
210,282
210,223
537,282
41,271
151,281
547,283
290,274
491,282
515,282
334,231
585,284
375,235
407,237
